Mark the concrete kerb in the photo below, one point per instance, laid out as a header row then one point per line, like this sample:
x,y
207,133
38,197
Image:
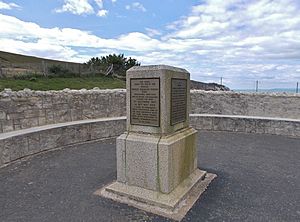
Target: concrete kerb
x,y
21,143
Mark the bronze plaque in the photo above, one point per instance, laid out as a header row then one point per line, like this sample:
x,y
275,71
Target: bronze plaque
x,y
145,101
178,100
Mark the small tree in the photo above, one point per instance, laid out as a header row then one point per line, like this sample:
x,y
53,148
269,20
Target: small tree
x,y
112,65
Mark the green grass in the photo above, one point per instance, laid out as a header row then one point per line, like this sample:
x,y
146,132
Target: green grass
x,y
36,82
62,83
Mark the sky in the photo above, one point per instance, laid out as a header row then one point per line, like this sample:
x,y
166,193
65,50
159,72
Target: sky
x,y
239,40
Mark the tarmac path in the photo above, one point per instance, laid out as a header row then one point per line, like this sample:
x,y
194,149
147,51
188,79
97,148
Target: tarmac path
x,y
258,180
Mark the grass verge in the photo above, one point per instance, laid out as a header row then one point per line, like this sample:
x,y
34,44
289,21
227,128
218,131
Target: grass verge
x,y
60,83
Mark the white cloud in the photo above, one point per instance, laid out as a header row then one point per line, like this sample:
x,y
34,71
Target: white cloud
x,y
17,30
242,41
77,7
241,33
137,6
99,3
153,32
102,13
81,7
39,48
9,6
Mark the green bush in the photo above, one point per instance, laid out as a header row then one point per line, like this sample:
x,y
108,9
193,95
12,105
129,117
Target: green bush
x,y
111,64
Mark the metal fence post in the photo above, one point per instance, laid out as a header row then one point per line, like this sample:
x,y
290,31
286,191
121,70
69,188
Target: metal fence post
x,y
256,86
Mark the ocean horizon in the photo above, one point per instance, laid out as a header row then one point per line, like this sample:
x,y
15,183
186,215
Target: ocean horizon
x,y
279,90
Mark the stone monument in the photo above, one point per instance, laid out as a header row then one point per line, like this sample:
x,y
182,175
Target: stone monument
x,y
157,155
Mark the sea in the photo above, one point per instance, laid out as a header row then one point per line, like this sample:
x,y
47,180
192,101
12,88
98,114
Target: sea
x,y
275,90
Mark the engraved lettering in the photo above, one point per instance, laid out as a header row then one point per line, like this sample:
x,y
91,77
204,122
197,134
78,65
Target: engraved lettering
x,y
178,100
144,101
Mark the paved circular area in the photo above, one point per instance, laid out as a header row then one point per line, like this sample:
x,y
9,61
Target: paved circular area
x,y
258,180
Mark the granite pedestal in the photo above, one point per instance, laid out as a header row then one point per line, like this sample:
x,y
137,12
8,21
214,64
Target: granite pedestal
x,y
157,155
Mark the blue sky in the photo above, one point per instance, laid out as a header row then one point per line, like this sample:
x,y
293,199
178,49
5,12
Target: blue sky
x,y
239,40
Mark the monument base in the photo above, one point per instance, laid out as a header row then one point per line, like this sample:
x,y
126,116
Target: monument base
x,y
156,162
174,205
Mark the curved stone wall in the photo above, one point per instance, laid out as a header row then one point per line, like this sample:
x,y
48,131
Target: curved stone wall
x,y
18,144
246,124
35,121
279,105
26,108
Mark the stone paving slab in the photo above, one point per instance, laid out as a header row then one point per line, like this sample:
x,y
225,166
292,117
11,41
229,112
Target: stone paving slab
x,y
258,180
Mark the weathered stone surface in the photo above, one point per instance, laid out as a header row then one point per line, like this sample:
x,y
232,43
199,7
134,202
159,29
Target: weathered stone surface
x,y
49,113
121,154
206,123
158,150
61,113
42,121
262,126
162,77
50,139
4,155
280,105
2,114
276,126
100,129
48,107
177,158
174,205
30,122
34,145
18,147
38,108
14,145
76,114
250,125
141,161
74,134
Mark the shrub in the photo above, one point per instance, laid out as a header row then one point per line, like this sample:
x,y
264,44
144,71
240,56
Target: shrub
x,y
111,65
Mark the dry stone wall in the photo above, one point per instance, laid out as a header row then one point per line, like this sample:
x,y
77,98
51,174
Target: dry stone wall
x,y
279,105
25,109
62,118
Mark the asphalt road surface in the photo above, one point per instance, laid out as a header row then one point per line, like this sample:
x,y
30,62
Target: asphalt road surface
x,y
258,180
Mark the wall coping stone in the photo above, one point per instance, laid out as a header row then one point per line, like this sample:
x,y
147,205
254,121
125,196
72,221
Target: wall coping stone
x,y
28,92
79,122
279,94
57,125
245,117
